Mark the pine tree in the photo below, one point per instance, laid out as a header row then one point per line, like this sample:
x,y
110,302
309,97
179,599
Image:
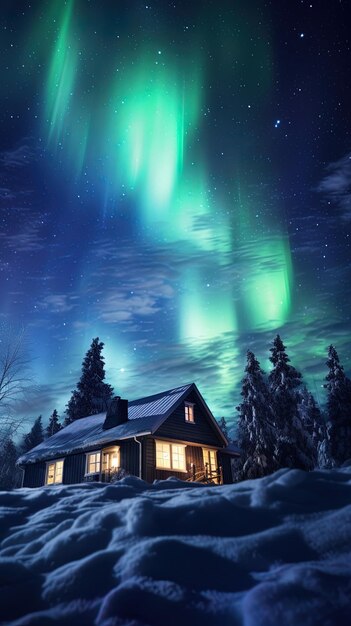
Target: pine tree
x,y
54,425
224,428
92,393
293,447
9,473
312,422
338,437
34,437
255,425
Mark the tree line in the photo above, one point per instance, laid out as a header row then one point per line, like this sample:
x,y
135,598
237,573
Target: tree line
x,y
91,396
279,422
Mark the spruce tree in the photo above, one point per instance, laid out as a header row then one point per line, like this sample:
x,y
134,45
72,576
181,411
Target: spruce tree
x,y
312,422
294,447
92,394
54,425
9,473
338,438
224,428
34,437
255,436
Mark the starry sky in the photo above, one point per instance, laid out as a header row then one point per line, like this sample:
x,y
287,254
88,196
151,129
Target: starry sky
x,y
175,178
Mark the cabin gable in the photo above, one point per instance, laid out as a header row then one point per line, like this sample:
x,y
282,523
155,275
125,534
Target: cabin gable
x,y
201,430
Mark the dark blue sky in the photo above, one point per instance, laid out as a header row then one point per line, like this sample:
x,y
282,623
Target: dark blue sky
x,y
175,179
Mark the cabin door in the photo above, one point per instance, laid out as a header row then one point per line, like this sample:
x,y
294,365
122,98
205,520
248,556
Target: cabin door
x,y
210,463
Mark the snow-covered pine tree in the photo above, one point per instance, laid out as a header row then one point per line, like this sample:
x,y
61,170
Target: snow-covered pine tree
x,y
223,426
73,409
34,437
255,436
338,438
312,421
92,393
9,474
293,446
54,425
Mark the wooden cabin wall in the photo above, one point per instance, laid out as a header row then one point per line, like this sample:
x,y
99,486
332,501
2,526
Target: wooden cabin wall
x,y
225,460
193,454
74,469
129,451
34,474
201,431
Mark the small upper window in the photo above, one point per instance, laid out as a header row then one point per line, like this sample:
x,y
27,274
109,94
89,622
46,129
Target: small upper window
x,y
189,412
54,473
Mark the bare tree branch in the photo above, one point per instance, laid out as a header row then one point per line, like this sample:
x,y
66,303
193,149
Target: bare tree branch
x,y
14,377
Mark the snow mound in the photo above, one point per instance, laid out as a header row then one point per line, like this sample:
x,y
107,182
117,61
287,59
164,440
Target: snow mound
x,y
260,553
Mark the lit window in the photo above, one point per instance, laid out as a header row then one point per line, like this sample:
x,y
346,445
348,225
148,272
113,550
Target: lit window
x,y
178,457
93,463
189,412
163,455
170,456
210,462
54,473
110,459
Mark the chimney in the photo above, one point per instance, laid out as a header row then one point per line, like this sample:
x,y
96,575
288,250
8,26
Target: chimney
x,y
117,413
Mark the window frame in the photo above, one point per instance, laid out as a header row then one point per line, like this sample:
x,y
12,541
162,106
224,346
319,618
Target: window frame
x,y
108,451
189,409
48,464
206,455
171,445
87,455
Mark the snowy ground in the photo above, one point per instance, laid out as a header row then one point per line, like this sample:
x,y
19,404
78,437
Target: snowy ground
x,y
275,551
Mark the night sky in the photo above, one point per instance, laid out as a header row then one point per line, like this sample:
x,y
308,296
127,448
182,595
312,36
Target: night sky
x,y
175,178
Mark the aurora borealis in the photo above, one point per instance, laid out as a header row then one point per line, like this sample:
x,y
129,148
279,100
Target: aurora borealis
x,y
175,180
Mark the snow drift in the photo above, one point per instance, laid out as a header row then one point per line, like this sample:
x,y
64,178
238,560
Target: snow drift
x,y
260,553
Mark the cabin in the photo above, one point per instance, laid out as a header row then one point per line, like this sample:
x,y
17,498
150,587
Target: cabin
x,y
168,434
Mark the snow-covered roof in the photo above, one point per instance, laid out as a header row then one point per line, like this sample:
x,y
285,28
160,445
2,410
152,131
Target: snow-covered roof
x,y
144,417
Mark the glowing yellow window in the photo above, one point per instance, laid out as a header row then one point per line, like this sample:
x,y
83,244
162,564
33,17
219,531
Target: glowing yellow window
x,y
170,456
110,459
210,462
163,455
178,458
54,473
93,463
189,412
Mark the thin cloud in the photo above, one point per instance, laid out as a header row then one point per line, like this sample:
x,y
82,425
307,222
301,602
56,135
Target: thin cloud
x,y
59,303
20,156
336,185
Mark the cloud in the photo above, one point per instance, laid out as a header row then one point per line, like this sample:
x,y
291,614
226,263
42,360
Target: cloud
x,y
336,185
28,239
59,303
134,285
19,156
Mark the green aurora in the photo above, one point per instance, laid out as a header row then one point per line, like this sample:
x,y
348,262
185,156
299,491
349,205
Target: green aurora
x,y
143,133
132,121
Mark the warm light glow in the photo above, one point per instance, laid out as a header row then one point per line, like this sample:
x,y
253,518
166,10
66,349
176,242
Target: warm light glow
x,y
54,473
93,463
114,460
189,412
210,460
170,456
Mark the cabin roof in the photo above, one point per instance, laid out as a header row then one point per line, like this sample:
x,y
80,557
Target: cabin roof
x,y
145,416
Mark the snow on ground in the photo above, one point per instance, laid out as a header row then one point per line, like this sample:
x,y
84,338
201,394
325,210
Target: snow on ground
x,y
275,551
